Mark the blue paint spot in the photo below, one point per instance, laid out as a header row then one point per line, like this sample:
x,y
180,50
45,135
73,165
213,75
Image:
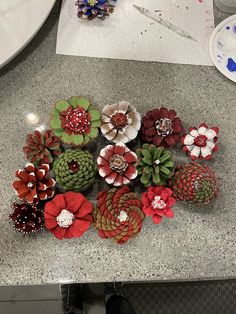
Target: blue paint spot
x,y
231,66
228,28
235,28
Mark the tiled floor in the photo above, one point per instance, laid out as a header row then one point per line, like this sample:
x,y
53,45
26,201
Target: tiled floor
x,y
43,300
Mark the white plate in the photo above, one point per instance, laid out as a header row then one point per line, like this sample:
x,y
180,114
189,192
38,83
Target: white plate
x,y
19,22
222,47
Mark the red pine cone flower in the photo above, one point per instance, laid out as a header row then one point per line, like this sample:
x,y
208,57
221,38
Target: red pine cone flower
x,y
68,215
117,164
41,148
33,184
161,127
27,218
119,214
157,202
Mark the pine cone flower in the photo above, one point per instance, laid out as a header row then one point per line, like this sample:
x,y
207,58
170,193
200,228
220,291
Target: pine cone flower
x,y
89,9
201,142
157,202
119,214
68,215
75,170
75,121
161,127
33,183
120,122
27,218
41,148
117,164
155,165
195,184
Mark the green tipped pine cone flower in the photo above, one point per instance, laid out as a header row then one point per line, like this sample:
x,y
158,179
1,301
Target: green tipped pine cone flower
x,y
195,184
75,121
155,165
75,170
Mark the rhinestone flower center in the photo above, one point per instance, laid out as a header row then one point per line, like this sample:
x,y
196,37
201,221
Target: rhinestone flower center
x,y
119,120
200,141
158,203
117,163
77,120
73,166
123,216
65,218
164,127
30,185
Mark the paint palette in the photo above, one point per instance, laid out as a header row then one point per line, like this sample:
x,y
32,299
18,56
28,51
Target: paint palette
x,y
222,47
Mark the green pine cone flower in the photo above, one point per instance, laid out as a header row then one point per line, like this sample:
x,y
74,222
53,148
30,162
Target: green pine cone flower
x,y
155,165
75,170
75,121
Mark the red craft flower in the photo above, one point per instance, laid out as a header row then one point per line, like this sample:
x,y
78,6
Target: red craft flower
x,y
68,215
157,202
116,164
33,184
161,127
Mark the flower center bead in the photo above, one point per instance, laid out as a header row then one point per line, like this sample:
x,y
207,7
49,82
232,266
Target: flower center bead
x,y
92,2
200,140
164,127
76,120
73,166
117,163
65,218
158,203
123,216
119,120
30,185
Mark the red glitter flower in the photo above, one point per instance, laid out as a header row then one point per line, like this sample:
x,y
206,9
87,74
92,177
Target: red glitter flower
x,y
68,215
117,164
157,202
33,184
161,127
75,121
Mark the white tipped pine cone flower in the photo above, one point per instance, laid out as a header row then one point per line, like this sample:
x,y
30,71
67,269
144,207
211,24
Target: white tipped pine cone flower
x,y
120,122
201,143
117,164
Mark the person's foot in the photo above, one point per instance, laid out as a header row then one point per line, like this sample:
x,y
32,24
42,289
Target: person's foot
x,y
72,298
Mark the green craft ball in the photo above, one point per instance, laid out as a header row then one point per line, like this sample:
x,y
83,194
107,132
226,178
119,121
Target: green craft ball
x,y
75,170
155,165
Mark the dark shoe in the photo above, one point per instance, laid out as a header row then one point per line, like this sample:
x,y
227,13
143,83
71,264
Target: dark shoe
x,y
72,298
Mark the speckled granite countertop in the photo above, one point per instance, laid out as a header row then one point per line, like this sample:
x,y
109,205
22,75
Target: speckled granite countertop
x,y
199,243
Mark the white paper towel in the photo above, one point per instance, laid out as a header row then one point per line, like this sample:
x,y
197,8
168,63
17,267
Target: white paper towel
x,y
128,34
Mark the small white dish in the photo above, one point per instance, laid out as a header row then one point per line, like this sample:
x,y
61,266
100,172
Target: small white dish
x,y
20,20
222,47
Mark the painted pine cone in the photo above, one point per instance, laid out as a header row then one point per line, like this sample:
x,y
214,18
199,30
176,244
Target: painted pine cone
x,y
89,9
161,127
195,184
119,214
27,218
155,165
75,170
41,148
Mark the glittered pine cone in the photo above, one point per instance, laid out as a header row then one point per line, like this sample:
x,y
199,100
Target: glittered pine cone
x,y
27,218
75,170
194,184
33,183
118,215
161,127
41,148
155,165
90,9
75,121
